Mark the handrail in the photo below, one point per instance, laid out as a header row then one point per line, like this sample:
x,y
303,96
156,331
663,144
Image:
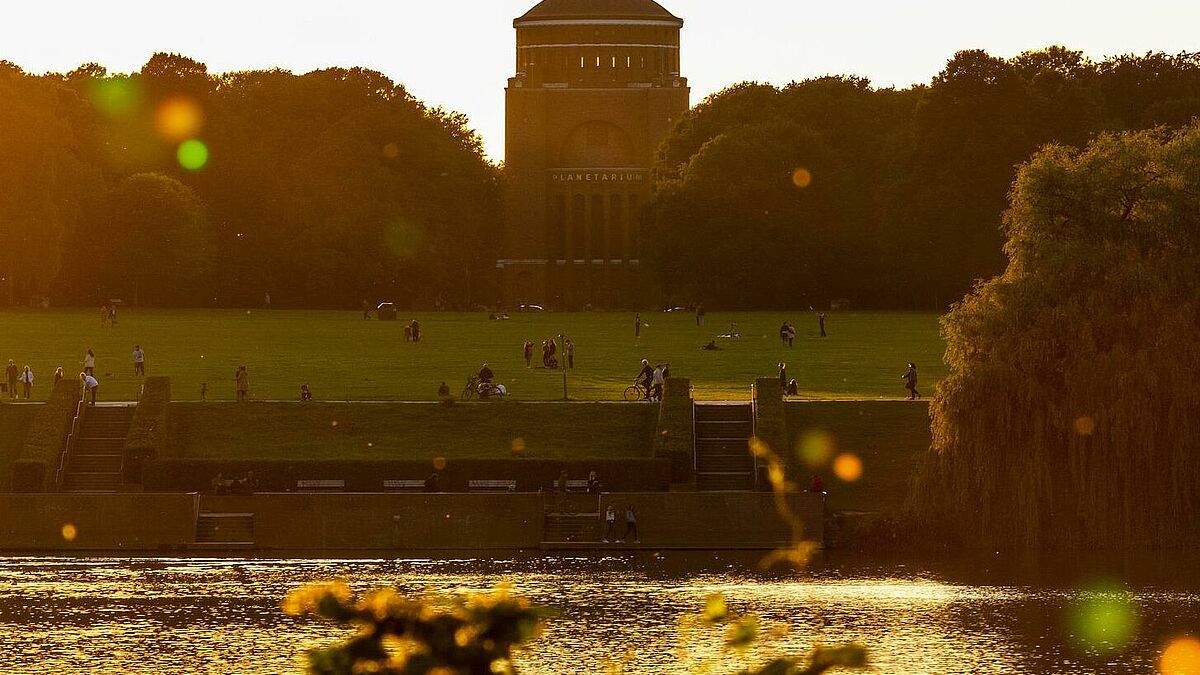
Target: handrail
x,y
753,428
695,450
76,426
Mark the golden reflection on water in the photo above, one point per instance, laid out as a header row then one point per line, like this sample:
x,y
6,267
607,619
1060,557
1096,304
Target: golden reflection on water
x,y
222,615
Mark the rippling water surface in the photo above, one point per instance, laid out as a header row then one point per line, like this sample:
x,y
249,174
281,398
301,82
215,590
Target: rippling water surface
x,y
189,615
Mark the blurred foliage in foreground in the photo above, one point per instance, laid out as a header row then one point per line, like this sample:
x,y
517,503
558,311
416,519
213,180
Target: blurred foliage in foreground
x,y
478,633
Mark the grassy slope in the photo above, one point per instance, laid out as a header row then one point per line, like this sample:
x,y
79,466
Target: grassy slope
x,y
344,357
260,430
887,436
14,424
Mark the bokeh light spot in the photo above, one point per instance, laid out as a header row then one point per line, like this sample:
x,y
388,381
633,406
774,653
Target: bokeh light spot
x,y
518,446
178,118
1085,425
333,424
1103,617
69,532
1181,657
848,467
391,151
439,463
115,96
801,178
192,155
816,448
403,239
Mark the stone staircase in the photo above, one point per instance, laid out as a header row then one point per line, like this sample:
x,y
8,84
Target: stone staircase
x,y
94,463
225,530
570,517
723,459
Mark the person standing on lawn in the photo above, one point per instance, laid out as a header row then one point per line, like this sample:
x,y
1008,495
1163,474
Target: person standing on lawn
x,y
139,360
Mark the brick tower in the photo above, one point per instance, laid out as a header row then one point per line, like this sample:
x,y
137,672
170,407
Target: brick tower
x,y
597,87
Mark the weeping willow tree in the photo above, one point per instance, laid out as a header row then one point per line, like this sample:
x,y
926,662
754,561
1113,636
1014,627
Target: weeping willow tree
x,y
1071,417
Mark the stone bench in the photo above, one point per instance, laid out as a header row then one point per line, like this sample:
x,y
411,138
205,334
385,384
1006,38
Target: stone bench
x,y
573,485
404,485
492,485
320,484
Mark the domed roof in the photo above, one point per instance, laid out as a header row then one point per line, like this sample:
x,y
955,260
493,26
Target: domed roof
x,y
597,9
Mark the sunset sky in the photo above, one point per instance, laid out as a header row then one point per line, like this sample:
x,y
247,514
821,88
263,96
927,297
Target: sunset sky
x,y
458,54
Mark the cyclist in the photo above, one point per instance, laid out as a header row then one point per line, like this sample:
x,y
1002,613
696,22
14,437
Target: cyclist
x,y
645,378
485,381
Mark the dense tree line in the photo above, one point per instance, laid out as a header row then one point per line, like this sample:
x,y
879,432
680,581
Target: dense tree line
x,y
321,189
1070,415
901,194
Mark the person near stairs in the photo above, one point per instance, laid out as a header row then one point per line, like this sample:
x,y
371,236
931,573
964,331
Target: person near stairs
x,y
610,523
90,385
27,381
10,374
631,530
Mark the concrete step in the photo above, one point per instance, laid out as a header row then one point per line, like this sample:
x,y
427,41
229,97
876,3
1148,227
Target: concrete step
x,y
225,528
575,527
94,463
99,445
707,412
92,481
722,481
724,464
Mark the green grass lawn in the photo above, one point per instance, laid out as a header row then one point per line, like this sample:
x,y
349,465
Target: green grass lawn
x,y
373,431
343,357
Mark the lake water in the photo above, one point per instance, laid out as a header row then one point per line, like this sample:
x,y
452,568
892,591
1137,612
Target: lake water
x,y
985,615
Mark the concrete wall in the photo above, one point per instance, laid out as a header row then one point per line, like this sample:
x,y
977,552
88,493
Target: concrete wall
x,y
123,521
390,521
715,520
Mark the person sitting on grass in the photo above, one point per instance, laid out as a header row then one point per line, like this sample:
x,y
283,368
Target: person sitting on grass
x,y
305,392
711,346
444,392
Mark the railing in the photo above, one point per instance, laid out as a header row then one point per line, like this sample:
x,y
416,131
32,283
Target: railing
x,y
72,435
753,429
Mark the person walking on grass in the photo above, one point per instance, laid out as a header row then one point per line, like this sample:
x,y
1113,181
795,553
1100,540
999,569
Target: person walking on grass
x,y
242,384
637,325
910,382
27,381
90,386
10,374
610,523
89,362
821,323
569,350
139,361
527,349
783,378
58,376
700,314
631,531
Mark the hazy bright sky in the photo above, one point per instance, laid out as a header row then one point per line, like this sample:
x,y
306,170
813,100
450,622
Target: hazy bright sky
x,y
458,53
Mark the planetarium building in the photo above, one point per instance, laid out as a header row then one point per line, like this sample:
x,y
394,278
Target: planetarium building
x,y
597,87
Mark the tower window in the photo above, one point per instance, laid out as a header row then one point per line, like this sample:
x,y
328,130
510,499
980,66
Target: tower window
x,y
597,61
581,62
614,62
628,61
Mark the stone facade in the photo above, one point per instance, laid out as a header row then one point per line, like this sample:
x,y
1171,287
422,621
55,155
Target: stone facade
x,y
597,87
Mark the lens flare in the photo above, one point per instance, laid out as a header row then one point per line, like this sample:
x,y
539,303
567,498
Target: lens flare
x,y
801,178
1104,617
69,532
439,463
518,446
1181,657
115,97
848,467
403,239
192,155
816,448
391,151
1085,425
178,118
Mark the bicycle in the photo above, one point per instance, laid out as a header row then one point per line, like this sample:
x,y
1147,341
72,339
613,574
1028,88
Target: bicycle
x,y
635,392
472,389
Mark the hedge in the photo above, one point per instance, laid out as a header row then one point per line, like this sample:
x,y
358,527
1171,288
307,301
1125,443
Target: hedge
x,y
616,475
148,431
37,464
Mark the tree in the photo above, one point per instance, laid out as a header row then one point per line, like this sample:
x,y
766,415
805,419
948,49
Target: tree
x,y
1069,416
150,244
